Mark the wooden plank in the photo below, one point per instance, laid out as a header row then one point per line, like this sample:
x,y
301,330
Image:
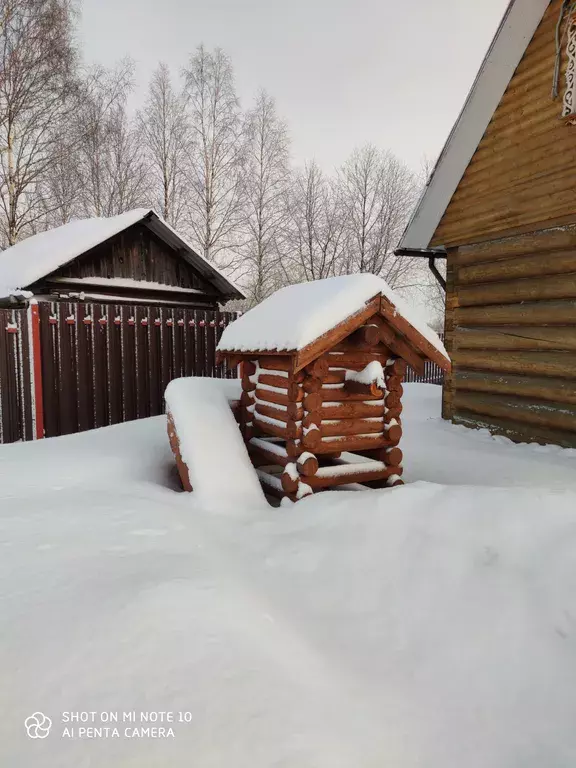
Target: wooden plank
x,y
554,263
142,342
352,444
526,411
514,430
67,400
114,332
529,313
351,410
515,291
542,388
342,427
84,330
557,364
129,364
102,383
513,337
50,370
359,476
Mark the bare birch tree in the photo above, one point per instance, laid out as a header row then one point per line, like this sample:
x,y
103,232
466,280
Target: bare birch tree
x,y
165,135
267,179
378,192
110,161
37,89
216,180
317,226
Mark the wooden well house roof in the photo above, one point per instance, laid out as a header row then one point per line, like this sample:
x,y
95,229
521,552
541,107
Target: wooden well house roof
x,y
306,320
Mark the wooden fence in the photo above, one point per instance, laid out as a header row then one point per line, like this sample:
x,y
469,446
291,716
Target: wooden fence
x,y
69,367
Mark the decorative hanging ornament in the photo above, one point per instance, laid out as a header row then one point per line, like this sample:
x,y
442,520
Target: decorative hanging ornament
x,y
569,104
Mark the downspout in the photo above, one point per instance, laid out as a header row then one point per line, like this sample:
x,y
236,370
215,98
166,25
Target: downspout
x,y
426,253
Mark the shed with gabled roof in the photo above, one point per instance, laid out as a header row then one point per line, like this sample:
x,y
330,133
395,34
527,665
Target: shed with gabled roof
x,y
322,374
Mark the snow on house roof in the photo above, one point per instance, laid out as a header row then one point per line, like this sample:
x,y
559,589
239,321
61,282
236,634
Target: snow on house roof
x,y
295,316
39,255
513,36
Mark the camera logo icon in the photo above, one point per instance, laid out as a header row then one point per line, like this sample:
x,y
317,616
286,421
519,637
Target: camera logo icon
x,y
38,725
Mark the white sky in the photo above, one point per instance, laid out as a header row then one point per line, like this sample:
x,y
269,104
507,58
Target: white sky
x,y
344,72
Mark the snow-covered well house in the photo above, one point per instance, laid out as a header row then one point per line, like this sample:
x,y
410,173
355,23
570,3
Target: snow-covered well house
x,y
133,257
96,317
322,374
501,207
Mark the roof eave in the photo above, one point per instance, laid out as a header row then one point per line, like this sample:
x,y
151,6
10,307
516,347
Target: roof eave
x,y
520,21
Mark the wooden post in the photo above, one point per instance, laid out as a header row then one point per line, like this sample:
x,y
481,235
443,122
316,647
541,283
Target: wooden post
x,y
36,369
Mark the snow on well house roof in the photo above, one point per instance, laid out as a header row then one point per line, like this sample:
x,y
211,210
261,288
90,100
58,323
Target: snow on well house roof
x,y
38,256
295,317
516,29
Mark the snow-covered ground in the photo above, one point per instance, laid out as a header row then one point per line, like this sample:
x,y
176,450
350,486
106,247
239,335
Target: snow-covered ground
x,y
431,625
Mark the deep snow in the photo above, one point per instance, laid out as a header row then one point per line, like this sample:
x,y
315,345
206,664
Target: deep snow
x,y
428,625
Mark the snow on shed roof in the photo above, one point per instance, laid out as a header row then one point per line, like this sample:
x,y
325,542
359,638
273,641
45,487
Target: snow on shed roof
x,y
39,255
520,21
295,316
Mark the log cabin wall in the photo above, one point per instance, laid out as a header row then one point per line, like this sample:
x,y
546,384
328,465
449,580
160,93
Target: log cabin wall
x,y
136,253
522,176
511,333
510,232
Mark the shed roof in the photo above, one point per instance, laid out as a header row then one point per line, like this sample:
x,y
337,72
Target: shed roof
x,y
520,21
298,316
38,256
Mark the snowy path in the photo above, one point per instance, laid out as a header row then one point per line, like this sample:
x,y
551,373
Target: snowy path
x,y
437,631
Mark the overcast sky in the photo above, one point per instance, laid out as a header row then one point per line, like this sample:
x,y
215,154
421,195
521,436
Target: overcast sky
x,y
344,72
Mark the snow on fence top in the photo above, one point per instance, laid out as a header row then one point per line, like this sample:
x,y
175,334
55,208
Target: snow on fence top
x,y
295,316
39,255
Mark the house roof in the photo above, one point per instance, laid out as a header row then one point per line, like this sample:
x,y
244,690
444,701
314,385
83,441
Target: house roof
x,y
516,29
294,320
38,256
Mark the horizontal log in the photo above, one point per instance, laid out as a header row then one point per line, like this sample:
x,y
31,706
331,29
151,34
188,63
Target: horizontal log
x,y
360,475
532,314
517,431
307,465
259,448
350,427
539,242
555,263
351,444
367,390
514,337
514,291
290,430
539,412
343,395
391,456
355,360
562,364
279,363
351,410
273,380
335,376
545,388
273,413
272,397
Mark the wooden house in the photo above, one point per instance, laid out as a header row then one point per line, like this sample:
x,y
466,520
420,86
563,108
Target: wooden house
x,y
135,257
500,206
322,367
